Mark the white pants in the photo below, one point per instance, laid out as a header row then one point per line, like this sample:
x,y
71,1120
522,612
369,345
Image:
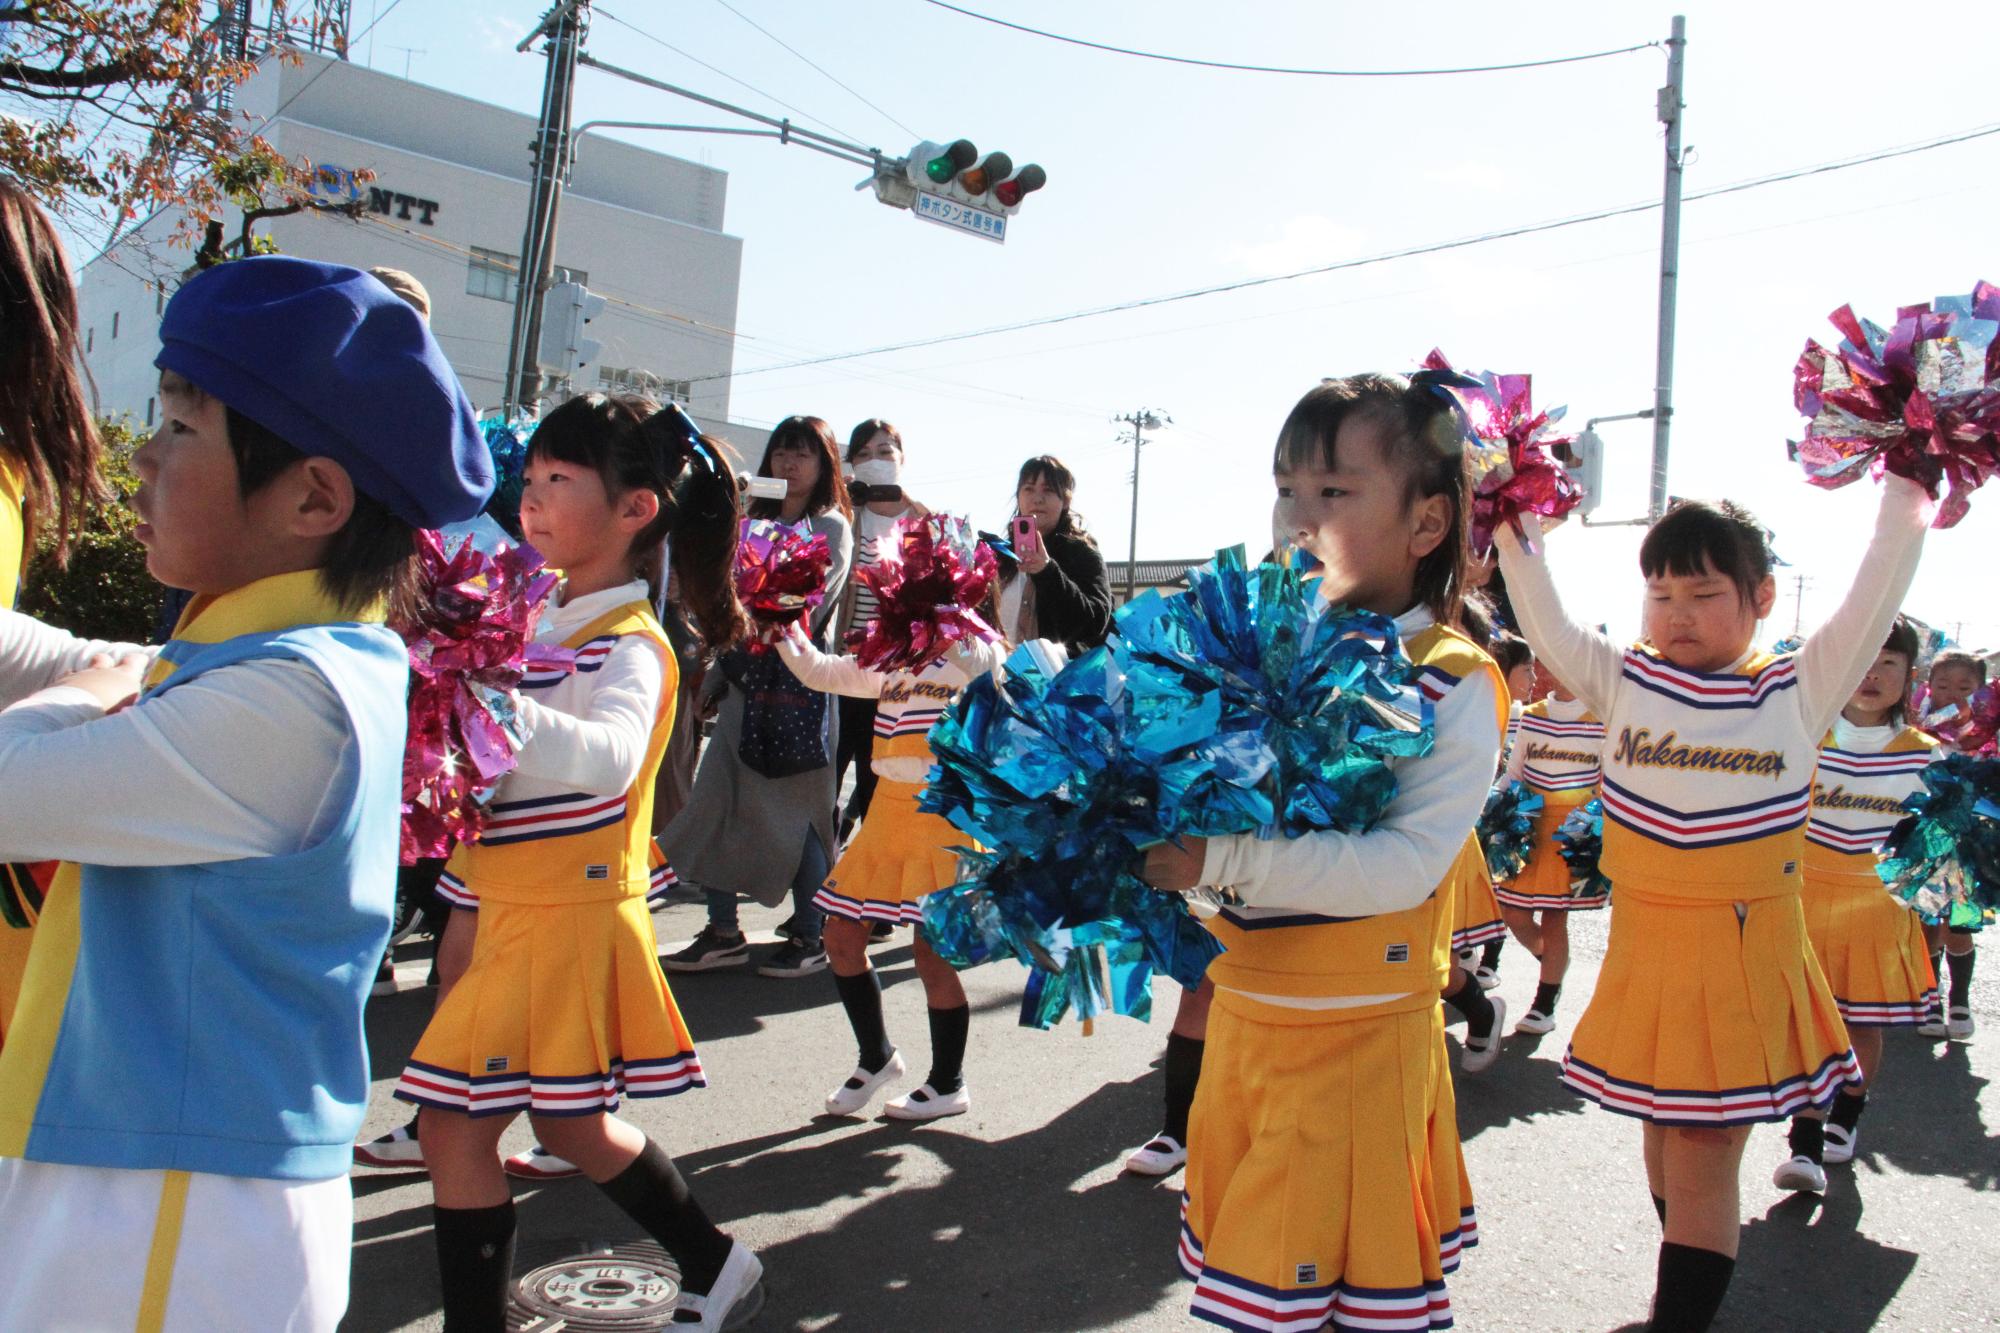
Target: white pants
x,y
91,1248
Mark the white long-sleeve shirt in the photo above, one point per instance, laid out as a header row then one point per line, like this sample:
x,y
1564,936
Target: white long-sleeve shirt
x,y
170,781
1401,861
911,702
588,729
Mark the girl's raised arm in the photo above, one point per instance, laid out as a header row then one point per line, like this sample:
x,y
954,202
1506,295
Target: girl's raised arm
x,y
826,672
1837,655
1581,658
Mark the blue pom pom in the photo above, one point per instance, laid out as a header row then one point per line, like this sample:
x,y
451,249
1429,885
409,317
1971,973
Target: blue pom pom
x,y
1943,858
1580,839
1506,829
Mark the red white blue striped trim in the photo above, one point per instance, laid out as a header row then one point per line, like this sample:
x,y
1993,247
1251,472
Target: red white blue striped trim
x,y
1251,1307
1434,683
1885,1014
1548,726
1577,779
1469,937
1854,764
897,913
457,892
662,882
1706,689
1698,1107
1271,918
1705,828
909,722
1849,841
1548,902
589,658
583,1094
550,817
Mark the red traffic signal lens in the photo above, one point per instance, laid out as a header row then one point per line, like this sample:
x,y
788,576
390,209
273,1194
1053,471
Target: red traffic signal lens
x,y
1021,184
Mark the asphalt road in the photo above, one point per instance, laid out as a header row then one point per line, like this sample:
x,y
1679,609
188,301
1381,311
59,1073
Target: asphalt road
x,y
1015,1218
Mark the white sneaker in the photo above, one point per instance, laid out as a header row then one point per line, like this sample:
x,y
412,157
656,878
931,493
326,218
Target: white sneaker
x,y
732,1302
1802,1174
1839,1144
1958,1026
538,1163
1534,1023
1486,977
853,1096
1161,1155
398,1150
926,1103
1933,1024
1479,1052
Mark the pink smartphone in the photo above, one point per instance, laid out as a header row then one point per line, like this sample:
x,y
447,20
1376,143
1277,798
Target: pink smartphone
x,y
1026,538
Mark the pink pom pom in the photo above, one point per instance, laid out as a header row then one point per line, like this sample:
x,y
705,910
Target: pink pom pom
x,y
780,576
1513,472
928,586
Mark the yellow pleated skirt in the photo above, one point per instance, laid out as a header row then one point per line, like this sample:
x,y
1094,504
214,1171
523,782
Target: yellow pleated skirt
x,y
1702,1018
1871,948
1475,912
1324,1177
562,1011
899,855
1544,883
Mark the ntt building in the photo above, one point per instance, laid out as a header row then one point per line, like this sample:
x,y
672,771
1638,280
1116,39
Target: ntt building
x,y
439,188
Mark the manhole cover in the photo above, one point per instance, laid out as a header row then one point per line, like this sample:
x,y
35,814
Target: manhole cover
x,y
615,1289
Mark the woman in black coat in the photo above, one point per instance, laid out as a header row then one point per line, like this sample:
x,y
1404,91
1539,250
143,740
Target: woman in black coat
x,y
1056,588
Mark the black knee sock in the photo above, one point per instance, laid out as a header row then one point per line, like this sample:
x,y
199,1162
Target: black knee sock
x,y
861,996
1847,1109
1660,1207
475,1249
653,1193
1961,978
1489,957
1471,1002
1937,970
1183,1077
1808,1138
948,1032
1690,1288
1545,997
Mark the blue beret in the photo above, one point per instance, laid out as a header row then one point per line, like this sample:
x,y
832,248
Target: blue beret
x,y
338,366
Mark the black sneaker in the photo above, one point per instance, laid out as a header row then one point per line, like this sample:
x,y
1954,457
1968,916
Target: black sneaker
x,y
794,958
879,931
708,951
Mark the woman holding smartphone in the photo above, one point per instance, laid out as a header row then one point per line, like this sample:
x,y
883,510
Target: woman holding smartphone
x,y
1056,586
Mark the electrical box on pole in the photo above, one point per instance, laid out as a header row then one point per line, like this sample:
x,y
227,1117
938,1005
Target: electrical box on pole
x,y
1583,458
567,309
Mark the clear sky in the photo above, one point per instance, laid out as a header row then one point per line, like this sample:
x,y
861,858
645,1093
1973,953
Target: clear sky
x,y
1167,178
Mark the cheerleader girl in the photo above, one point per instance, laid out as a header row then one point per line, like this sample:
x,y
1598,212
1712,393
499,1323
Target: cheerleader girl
x,y
899,855
563,1007
1324,1178
1556,756
1709,1013
1955,676
48,471
1869,945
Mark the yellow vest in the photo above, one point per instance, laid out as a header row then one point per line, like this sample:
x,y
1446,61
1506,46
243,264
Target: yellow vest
x,y
1407,953
554,850
1857,798
13,530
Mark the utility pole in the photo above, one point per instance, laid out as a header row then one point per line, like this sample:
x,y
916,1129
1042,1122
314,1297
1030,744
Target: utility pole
x,y
1143,420
1671,106
564,26
1799,582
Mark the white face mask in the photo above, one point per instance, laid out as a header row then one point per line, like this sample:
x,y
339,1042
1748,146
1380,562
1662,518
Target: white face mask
x,y
879,472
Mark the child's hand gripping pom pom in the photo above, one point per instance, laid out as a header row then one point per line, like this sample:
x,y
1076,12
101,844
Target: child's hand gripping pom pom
x,y
1506,829
1508,455
1920,399
1580,839
1225,709
1944,857
929,584
470,646
780,576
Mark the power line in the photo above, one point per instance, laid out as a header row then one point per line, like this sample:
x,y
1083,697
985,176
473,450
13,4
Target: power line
x,y
855,93
1408,252
661,41
1287,69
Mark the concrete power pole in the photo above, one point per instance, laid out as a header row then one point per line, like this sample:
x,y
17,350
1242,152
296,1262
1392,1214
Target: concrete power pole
x,y
565,26
1141,421
1671,105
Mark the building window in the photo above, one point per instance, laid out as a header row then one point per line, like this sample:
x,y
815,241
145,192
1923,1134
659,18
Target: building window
x,y
625,379
114,323
492,274
149,411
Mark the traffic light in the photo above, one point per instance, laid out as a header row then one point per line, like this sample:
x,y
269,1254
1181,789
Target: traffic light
x,y
958,172
1584,458
566,308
